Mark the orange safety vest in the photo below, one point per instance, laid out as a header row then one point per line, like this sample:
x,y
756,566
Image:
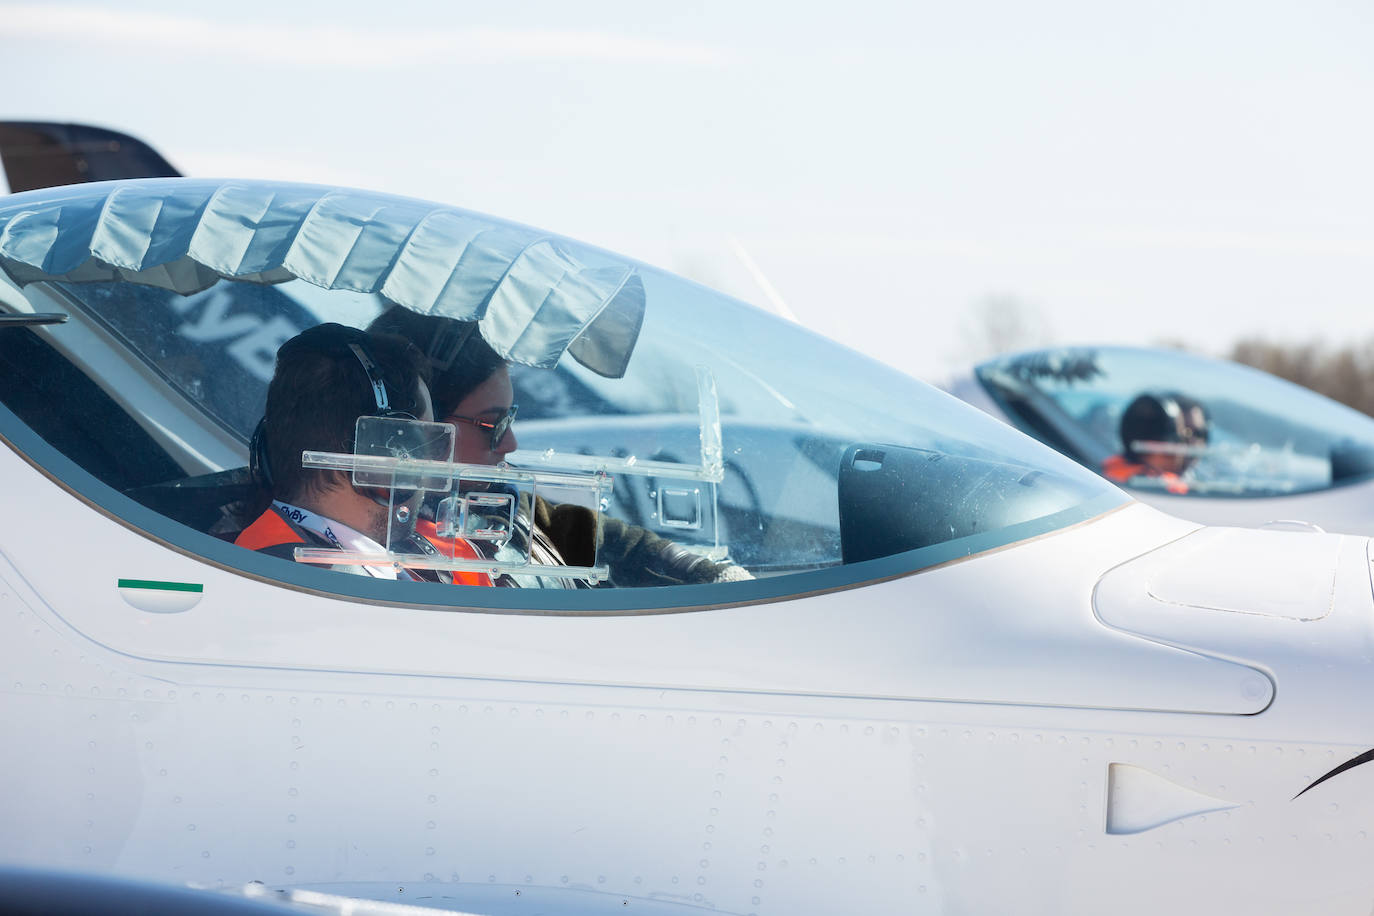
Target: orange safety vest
x,y
268,530
456,548
1118,470
271,530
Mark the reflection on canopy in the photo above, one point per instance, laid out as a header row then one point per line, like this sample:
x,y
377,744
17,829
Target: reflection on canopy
x,y
535,297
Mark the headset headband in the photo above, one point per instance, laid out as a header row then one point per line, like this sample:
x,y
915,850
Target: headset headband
x,y
374,377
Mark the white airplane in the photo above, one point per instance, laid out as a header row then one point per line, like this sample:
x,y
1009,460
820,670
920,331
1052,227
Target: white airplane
x,y
1204,439
963,673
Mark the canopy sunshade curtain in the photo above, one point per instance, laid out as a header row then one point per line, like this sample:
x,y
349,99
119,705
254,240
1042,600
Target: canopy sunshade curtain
x,y
534,296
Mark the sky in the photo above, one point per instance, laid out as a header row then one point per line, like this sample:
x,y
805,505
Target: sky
x,y
1128,173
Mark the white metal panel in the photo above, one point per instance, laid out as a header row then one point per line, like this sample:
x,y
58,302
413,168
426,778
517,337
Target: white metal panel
x,y
770,805
1273,573
1318,664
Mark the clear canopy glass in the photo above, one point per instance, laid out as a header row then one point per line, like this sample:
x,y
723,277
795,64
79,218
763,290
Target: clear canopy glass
x,y
688,422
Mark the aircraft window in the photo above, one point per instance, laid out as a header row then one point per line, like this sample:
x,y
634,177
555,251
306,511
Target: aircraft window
x,y
1174,422
672,448
100,437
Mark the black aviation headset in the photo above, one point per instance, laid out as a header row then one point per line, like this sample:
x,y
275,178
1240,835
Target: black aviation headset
x,y
1167,417
336,340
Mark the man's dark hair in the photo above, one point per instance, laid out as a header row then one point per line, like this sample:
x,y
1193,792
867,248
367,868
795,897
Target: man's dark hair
x,y
459,358
318,392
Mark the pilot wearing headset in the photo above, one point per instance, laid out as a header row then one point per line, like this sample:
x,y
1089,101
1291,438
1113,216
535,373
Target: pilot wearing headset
x,y
471,387
1161,436
326,378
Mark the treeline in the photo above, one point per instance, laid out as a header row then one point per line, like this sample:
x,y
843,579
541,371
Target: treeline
x,y
1342,373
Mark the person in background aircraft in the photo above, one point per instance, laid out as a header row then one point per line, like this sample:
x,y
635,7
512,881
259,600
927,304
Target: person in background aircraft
x,y
327,377
471,387
1161,436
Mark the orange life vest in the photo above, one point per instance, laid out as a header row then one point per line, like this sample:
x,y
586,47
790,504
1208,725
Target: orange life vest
x,y
1118,470
268,530
272,530
456,548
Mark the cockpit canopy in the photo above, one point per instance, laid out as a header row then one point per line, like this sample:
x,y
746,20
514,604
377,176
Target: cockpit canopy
x,y
1251,434
658,405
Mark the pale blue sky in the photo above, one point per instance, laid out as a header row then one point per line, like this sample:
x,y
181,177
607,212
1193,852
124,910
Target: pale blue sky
x,y
1192,170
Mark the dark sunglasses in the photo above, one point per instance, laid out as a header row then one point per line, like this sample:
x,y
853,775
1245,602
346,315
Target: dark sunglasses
x,y
498,427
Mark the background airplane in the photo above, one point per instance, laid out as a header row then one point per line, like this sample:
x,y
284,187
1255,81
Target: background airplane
x,y
44,154
1264,451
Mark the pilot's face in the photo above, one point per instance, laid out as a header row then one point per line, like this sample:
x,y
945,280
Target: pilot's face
x,y
1167,464
1191,437
487,402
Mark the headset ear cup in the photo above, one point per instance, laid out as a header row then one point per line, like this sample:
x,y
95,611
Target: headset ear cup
x,y
259,465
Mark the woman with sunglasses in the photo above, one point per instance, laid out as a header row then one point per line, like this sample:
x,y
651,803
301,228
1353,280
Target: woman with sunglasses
x,y
471,388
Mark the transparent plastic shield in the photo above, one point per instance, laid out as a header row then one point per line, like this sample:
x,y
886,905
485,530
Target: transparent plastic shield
x,y
494,518
415,444
708,412
683,498
477,515
485,523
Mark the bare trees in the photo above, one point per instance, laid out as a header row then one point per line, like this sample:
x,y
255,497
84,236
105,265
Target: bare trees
x,y
1342,373
1000,324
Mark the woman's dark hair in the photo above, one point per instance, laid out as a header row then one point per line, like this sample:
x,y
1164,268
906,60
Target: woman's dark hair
x,y
459,359
319,390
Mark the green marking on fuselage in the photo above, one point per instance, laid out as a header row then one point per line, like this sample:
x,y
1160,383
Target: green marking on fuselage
x,y
161,586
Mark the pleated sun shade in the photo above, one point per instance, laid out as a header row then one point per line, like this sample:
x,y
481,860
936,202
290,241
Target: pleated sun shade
x,y
534,296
